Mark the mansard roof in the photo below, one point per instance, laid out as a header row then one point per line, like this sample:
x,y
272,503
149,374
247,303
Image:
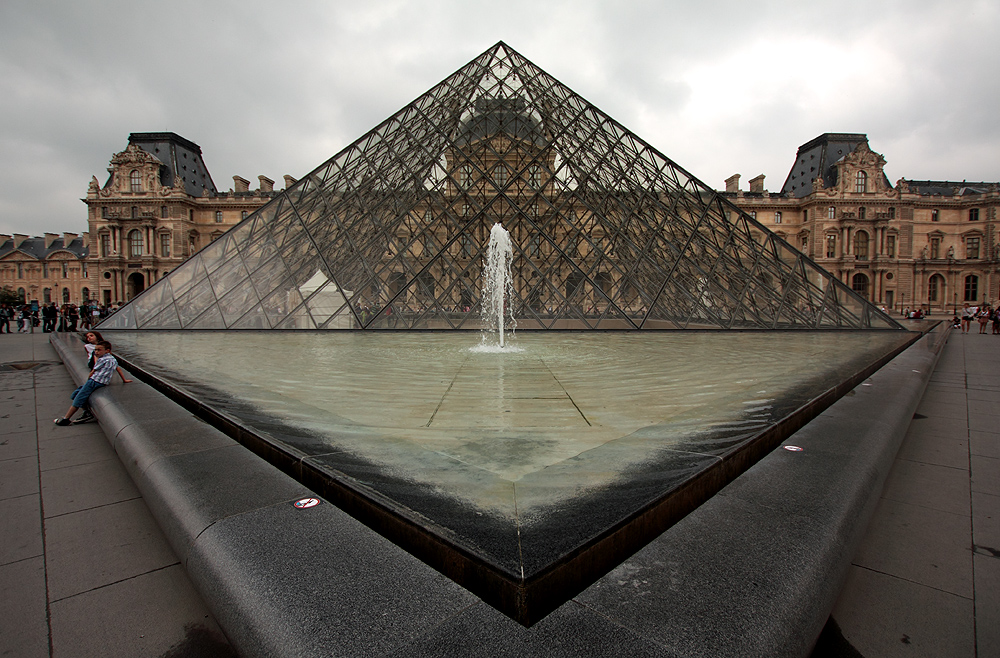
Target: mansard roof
x,y
35,247
949,188
180,157
818,158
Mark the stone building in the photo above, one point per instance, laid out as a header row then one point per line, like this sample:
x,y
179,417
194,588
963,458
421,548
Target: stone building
x,y
46,269
158,206
918,244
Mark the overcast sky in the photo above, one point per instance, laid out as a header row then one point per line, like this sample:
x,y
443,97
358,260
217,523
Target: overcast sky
x,y
277,88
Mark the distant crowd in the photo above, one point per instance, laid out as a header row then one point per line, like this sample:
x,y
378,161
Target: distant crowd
x,y
49,317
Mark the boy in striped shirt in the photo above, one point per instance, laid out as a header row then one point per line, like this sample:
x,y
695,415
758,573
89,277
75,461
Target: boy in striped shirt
x,y
105,366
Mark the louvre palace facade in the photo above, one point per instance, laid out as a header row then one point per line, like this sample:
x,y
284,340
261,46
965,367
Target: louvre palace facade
x,y
918,244
926,244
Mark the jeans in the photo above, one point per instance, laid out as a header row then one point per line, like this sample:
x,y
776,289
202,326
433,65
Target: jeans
x,y
82,393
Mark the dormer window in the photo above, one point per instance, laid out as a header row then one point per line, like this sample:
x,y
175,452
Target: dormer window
x,y
135,179
861,182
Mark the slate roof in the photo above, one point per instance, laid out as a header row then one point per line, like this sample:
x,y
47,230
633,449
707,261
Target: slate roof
x,y
179,157
35,247
948,188
817,157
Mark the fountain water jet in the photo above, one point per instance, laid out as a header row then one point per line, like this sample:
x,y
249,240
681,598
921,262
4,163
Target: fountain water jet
x,y
497,284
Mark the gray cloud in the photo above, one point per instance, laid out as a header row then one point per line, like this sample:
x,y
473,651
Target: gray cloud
x,y
719,87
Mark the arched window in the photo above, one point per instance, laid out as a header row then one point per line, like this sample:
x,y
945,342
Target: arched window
x,y
134,243
46,296
500,175
535,177
65,295
861,245
135,180
859,283
971,288
20,295
861,182
935,288
86,294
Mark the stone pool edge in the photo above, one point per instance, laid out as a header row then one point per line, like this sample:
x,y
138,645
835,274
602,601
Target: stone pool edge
x,y
754,571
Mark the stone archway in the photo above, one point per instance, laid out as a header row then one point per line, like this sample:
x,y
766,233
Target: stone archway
x,y
134,285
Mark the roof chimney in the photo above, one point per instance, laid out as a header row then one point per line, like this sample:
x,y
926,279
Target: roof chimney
x,y
19,239
50,238
757,184
4,237
241,184
733,184
69,237
289,181
266,184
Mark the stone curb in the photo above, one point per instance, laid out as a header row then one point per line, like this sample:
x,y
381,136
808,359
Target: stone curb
x,y
755,571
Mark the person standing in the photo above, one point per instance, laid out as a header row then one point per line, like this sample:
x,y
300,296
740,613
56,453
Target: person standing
x,y
5,313
968,312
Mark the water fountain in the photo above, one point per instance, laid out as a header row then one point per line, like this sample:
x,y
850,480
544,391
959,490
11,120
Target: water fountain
x,y
497,284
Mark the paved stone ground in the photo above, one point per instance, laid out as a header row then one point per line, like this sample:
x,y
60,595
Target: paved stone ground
x,y
84,569
926,580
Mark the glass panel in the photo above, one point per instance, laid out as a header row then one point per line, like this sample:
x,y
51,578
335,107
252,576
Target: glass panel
x,y
167,319
194,302
238,301
210,319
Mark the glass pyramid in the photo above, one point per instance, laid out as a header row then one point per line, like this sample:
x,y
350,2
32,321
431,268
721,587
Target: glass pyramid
x,y
391,232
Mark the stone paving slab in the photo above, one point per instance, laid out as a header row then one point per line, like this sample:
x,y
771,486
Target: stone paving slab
x,y
20,529
103,545
929,486
24,632
921,545
108,484
129,610
889,617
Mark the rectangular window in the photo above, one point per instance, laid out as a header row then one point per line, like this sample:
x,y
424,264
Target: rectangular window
x,y
753,213
65,270
163,212
243,215
972,247
935,216
890,246
104,212
165,245
892,212
105,245
973,214
20,270
45,270
86,274
935,248
777,217
805,215
831,246
218,216
831,213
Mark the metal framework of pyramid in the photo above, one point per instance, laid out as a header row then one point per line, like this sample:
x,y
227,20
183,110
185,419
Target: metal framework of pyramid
x,y
607,233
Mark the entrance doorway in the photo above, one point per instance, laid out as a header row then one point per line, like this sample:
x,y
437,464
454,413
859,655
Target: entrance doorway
x,y
135,284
